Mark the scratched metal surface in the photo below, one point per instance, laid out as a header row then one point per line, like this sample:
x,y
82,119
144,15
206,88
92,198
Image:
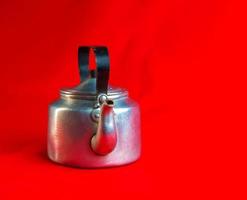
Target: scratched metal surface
x,y
71,128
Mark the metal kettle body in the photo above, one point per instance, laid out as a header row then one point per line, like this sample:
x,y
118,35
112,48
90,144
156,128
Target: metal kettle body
x,y
94,125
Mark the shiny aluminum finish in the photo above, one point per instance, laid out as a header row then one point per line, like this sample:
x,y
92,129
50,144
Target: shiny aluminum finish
x,y
94,125
71,129
105,140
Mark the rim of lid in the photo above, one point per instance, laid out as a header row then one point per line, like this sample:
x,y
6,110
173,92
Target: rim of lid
x,y
113,93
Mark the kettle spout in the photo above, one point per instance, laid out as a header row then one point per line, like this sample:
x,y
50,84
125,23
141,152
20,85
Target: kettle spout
x,y
105,139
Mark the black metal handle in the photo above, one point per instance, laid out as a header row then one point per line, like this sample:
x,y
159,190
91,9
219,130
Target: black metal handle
x,y
102,66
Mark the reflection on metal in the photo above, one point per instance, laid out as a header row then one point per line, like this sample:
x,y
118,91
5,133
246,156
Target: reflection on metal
x,y
105,139
94,124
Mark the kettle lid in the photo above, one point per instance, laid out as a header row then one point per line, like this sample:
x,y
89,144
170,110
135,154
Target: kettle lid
x,y
87,90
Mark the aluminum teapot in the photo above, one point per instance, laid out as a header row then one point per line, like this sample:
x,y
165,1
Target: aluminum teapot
x,y
94,124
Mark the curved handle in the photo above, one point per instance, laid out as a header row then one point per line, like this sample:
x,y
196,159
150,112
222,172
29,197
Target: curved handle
x,y
102,66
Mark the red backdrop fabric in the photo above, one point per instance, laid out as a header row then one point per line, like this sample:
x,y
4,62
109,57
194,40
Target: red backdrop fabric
x,y
184,61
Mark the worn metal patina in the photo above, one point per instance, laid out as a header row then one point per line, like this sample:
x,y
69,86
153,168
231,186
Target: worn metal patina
x,y
94,124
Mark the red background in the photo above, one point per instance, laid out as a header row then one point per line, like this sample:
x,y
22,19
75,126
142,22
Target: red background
x,y
182,60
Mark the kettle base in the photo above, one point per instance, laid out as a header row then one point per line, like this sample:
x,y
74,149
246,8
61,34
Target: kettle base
x,y
95,167
106,164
